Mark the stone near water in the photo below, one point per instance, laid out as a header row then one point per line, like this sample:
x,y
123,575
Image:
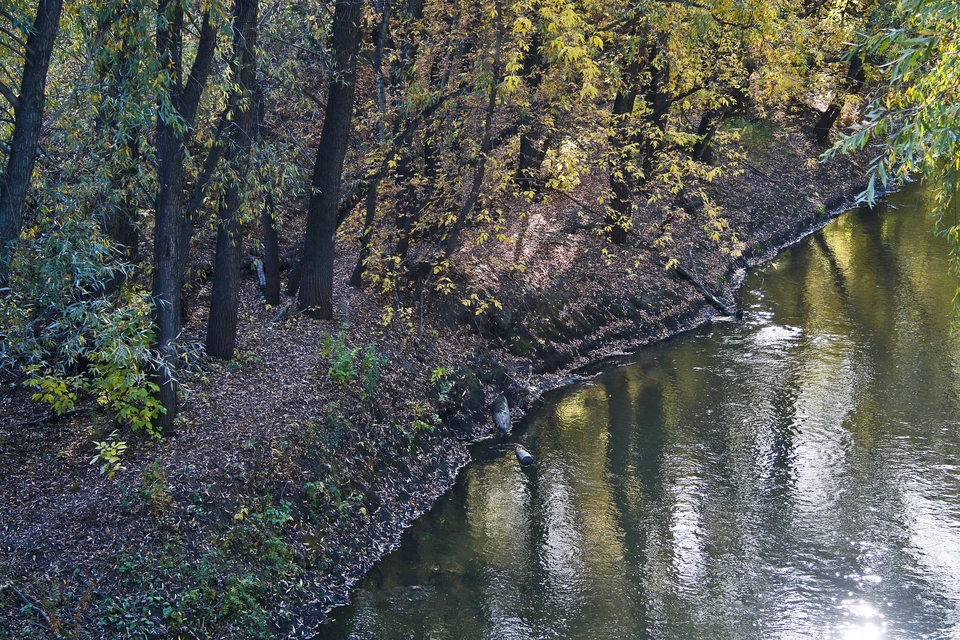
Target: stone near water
x,y
524,456
501,414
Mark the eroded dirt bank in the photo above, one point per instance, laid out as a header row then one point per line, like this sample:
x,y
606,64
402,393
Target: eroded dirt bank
x,y
299,464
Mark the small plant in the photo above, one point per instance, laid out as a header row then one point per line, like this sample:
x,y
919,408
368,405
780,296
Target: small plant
x,y
277,516
154,489
421,425
55,392
108,454
440,379
344,367
342,359
370,370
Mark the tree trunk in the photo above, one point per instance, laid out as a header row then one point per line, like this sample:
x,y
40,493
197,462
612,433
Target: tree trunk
x,y
271,254
659,101
225,298
533,132
28,117
709,125
856,76
618,219
383,32
486,143
316,267
171,226
356,280
168,255
118,25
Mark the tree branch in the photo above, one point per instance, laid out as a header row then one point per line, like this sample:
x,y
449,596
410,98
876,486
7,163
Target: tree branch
x,y
7,93
199,72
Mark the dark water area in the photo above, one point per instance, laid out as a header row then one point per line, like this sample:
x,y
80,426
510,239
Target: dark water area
x,y
795,475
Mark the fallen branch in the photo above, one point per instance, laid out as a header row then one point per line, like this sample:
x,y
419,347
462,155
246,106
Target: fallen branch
x,y
710,296
32,604
579,204
53,416
756,171
281,312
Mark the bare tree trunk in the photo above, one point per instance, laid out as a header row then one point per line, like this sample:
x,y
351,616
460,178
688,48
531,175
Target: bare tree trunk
x,y
316,267
533,132
28,117
710,123
271,254
383,31
225,298
356,279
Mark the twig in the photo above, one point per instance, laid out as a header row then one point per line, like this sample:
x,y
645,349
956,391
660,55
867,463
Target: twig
x,y
578,203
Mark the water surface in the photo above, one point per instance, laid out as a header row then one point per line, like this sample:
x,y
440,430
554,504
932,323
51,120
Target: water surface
x,y
791,476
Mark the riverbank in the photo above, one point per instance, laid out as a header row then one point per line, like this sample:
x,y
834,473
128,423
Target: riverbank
x,y
299,464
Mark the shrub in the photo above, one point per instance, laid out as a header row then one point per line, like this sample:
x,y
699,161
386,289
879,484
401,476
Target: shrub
x,y
108,454
370,371
344,368
342,359
68,335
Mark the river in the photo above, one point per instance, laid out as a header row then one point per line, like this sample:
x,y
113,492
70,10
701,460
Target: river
x,y
793,475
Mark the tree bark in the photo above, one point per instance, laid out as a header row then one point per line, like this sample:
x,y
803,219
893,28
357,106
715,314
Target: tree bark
x,y
316,267
28,118
659,100
356,279
225,298
709,125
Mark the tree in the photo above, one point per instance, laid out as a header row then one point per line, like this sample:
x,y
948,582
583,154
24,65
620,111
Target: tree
x,y
316,267
28,118
856,76
240,134
178,103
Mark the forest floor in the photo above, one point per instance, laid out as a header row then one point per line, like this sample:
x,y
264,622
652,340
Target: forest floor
x,y
297,465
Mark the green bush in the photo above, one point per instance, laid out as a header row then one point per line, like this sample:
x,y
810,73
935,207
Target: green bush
x,y
344,367
67,335
342,359
370,370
